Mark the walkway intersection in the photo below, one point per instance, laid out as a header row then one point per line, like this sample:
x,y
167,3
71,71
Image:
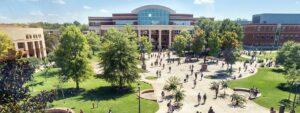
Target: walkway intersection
x,y
190,101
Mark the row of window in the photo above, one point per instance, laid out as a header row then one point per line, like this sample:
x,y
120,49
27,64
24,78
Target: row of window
x,y
33,36
275,28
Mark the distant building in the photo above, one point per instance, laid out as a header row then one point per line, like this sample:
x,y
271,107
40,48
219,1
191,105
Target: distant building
x,y
29,40
269,36
243,21
276,18
159,23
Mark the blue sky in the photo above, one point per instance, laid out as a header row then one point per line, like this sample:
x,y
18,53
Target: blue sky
x,y
21,11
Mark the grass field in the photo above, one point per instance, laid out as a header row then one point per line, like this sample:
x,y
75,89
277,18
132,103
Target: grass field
x,y
269,82
95,91
268,55
151,77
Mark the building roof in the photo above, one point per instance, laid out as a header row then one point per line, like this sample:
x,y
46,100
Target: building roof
x,y
135,11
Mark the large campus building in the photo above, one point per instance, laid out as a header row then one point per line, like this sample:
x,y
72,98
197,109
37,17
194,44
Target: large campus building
x,y
29,40
270,31
159,23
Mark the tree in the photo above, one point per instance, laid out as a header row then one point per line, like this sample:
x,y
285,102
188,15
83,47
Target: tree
x,y
5,45
71,56
231,47
292,77
215,86
93,41
238,100
231,26
179,44
288,55
51,41
131,34
224,85
214,44
14,93
198,41
147,44
208,26
76,23
119,58
179,95
186,34
173,83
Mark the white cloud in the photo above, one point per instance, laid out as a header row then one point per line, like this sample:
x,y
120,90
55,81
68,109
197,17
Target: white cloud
x,y
62,2
204,1
103,11
87,7
36,13
3,17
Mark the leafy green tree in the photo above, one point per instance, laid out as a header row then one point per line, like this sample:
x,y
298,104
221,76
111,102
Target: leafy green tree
x,y
292,77
51,41
198,41
5,45
76,23
231,26
94,41
231,47
71,55
119,58
208,26
214,44
288,55
14,93
131,34
186,34
179,44
147,44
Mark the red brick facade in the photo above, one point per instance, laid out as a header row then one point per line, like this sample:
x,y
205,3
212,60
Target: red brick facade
x,y
266,34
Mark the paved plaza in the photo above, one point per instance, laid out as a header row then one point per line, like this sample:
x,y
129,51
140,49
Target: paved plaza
x,y
219,105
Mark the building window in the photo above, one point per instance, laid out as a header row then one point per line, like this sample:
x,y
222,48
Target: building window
x,y
40,36
182,22
124,22
153,17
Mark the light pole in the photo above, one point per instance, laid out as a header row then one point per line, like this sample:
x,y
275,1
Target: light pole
x,y
139,88
143,56
297,85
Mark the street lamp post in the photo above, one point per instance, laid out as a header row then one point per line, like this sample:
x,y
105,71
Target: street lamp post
x,y
143,56
297,85
139,89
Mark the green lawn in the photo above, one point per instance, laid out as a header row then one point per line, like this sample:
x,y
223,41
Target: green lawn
x,y
268,55
243,59
95,91
267,81
151,77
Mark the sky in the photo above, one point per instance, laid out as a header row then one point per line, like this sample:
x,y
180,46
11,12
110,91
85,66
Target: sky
x,y
23,11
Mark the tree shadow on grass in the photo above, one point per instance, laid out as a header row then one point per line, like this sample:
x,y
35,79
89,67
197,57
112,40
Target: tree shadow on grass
x,y
285,87
278,71
105,93
67,93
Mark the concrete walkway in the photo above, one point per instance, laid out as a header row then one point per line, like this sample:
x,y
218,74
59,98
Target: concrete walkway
x,y
190,101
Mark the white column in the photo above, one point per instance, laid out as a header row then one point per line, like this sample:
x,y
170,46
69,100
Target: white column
x,y
27,51
16,46
150,39
139,34
34,49
170,39
40,52
44,49
159,39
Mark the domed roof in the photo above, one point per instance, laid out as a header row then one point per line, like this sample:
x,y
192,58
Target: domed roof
x,y
137,10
